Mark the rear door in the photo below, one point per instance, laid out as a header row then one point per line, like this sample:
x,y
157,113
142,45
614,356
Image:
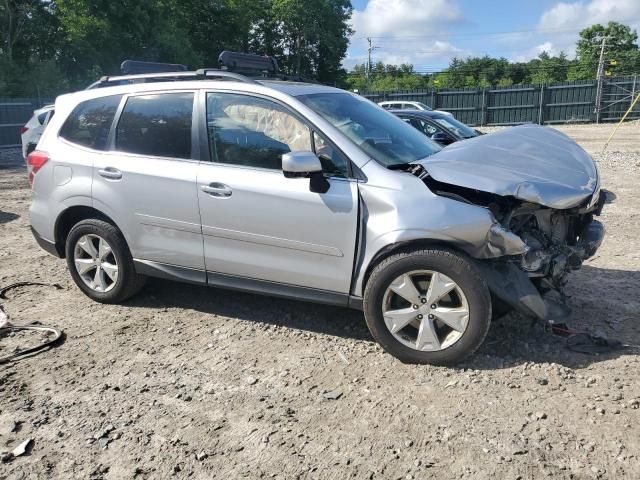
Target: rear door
x,y
256,223
147,179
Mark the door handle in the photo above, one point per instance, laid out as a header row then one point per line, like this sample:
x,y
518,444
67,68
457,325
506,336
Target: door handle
x,y
110,173
216,189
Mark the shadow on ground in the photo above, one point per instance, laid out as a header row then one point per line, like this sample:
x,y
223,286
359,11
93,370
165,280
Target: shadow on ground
x,y
512,339
6,217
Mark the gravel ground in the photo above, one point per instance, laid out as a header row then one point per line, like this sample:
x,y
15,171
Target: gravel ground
x,y
185,381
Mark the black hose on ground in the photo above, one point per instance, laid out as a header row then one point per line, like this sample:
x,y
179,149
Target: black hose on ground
x,y
7,327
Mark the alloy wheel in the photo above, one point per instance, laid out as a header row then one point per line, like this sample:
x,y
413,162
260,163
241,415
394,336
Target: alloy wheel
x,y
425,310
95,263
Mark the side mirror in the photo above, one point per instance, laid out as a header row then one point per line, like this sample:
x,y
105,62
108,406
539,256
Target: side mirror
x,y
305,164
441,138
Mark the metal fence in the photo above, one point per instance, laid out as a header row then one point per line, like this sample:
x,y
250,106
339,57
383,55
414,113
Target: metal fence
x,y
14,113
563,102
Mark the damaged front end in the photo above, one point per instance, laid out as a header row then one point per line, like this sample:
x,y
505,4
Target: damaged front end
x,y
558,242
531,248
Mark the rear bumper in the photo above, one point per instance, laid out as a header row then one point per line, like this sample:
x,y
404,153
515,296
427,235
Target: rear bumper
x,y
46,245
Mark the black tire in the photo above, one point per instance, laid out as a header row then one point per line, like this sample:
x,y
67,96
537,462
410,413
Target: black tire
x,y
128,282
452,264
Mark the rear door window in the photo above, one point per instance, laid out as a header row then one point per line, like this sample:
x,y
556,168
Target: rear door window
x,y
156,125
89,123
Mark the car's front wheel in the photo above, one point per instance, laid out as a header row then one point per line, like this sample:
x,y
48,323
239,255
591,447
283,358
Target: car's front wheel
x,y
100,262
428,306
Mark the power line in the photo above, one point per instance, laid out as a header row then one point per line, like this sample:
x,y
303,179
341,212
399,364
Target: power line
x,y
486,34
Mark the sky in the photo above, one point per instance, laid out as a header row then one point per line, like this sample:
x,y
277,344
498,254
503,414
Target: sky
x,y
428,33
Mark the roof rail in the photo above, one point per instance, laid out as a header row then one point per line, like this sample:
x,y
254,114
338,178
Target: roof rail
x,y
202,74
215,72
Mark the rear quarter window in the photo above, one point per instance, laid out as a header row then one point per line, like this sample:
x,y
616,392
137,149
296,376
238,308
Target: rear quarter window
x,y
89,123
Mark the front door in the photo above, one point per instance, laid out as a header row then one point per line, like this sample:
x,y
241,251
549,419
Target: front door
x,y
256,223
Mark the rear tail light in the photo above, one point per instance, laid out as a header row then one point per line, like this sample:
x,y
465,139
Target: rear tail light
x,y
35,161
23,130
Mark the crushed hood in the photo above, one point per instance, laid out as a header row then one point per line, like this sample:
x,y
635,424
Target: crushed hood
x,y
532,163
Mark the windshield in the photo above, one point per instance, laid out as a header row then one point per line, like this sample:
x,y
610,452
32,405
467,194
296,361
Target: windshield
x,y
380,134
458,128
424,107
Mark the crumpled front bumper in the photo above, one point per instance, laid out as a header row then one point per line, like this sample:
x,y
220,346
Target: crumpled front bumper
x,y
514,286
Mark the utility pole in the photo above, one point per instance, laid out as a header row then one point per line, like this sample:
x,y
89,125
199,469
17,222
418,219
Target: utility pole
x,y
370,49
600,78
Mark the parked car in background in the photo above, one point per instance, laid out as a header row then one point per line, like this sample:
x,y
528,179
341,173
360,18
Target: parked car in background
x,y
407,105
305,191
32,130
443,129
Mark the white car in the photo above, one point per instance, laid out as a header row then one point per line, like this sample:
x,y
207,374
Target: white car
x,y
406,105
32,130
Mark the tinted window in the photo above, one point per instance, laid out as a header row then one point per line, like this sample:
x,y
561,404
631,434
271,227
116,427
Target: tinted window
x,y
90,122
459,128
381,135
157,125
425,127
334,164
252,131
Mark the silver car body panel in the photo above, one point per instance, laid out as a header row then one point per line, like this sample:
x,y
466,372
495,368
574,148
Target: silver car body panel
x,y
531,163
270,227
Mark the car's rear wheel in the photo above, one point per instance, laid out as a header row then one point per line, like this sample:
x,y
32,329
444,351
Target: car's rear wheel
x,y
100,262
428,306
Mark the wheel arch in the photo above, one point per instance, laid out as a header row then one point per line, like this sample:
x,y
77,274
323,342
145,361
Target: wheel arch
x,y
393,248
71,216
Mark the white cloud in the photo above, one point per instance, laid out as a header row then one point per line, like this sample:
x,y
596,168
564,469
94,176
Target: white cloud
x,y
405,31
534,52
561,23
558,27
405,17
573,14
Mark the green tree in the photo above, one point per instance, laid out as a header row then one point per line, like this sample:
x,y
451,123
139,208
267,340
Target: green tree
x,y
314,35
548,69
621,50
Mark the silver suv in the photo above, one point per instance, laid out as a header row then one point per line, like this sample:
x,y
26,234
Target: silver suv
x,y
310,192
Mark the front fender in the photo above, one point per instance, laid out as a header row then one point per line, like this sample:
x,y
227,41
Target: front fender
x,y
405,210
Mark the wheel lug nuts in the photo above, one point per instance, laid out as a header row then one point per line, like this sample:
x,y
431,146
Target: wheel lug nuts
x,y
433,306
415,307
420,317
424,300
431,317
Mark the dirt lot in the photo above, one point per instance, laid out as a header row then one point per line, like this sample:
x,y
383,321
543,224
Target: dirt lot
x,y
186,381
